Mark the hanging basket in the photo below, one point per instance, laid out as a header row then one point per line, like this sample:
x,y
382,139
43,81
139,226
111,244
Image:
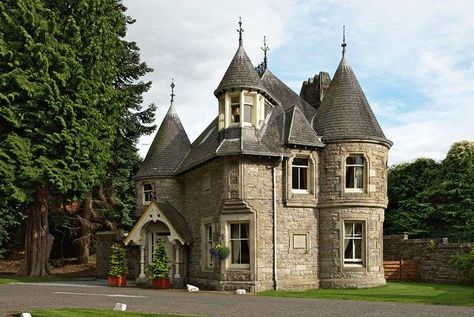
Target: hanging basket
x,y
220,251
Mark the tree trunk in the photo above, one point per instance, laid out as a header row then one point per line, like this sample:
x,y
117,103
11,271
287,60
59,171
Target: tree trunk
x,y
85,223
38,241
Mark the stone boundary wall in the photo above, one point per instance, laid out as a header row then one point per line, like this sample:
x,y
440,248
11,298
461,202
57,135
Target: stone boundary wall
x,y
433,258
105,239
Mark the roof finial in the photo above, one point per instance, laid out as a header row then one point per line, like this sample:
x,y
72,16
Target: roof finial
x,y
343,40
240,30
172,90
265,49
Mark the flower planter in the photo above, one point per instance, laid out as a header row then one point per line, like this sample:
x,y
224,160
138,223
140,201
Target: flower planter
x,y
161,283
117,281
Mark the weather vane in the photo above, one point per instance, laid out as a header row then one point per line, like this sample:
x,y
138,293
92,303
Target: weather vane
x,y
343,40
240,30
265,49
172,89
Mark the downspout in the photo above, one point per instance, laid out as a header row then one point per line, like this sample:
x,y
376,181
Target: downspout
x,y
275,275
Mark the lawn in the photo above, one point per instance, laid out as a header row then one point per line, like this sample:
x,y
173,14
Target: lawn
x,y
76,312
9,279
403,292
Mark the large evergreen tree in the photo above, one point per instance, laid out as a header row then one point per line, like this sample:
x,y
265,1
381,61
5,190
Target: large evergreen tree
x,y
59,105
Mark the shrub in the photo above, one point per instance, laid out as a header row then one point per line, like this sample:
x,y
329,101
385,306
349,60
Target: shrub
x,y
118,260
464,262
160,266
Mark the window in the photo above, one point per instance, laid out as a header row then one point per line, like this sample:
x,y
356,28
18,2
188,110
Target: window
x,y
148,193
239,242
209,245
353,242
355,173
300,175
248,101
235,110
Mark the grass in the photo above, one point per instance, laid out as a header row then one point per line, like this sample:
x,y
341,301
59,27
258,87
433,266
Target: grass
x,y
402,292
76,312
10,279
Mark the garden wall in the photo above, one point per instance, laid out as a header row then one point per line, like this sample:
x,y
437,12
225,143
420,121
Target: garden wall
x,y
432,255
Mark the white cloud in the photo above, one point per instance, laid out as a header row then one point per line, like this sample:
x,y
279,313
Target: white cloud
x,y
423,51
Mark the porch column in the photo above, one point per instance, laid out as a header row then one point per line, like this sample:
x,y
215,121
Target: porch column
x,y
177,261
142,262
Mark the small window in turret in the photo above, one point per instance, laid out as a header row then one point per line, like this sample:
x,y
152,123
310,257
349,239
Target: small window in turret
x,y
235,109
148,193
248,109
355,165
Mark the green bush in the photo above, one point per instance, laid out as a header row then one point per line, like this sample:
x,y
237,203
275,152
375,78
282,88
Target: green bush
x,y
464,262
160,266
118,260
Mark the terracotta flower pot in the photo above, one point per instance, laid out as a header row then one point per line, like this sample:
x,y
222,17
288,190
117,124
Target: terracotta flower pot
x,y
161,283
117,281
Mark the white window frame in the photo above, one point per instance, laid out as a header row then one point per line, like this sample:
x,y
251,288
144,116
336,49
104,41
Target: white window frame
x,y
145,192
239,265
355,167
354,262
308,172
244,107
209,243
239,105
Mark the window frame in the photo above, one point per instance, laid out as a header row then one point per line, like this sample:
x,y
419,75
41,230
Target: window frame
x,y
354,166
238,106
354,261
307,167
145,192
239,265
246,105
209,243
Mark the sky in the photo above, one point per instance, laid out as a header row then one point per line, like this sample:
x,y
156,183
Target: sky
x,y
413,59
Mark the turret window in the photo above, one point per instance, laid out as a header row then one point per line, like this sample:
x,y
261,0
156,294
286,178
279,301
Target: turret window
x,y
248,108
148,193
235,109
355,165
353,242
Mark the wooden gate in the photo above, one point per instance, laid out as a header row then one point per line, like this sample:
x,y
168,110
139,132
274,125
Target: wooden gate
x,y
401,270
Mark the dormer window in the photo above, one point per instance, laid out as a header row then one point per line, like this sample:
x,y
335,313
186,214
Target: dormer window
x,y
148,193
241,109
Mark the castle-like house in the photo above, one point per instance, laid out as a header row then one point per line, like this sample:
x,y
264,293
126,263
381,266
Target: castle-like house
x,y
295,186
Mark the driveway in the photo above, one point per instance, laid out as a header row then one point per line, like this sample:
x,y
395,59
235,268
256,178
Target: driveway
x,y
16,298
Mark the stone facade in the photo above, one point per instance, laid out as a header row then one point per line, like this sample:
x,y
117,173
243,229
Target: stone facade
x,y
433,257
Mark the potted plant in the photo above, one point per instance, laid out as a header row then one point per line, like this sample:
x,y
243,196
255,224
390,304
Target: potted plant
x,y
220,251
160,267
118,268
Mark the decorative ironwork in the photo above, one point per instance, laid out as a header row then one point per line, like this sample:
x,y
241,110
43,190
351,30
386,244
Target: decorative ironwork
x,y
265,49
240,30
172,89
343,40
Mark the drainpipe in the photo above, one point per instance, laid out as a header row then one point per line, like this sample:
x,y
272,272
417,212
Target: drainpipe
x,y
275,275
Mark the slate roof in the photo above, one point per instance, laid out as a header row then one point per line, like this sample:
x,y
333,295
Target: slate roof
x,y
345,112
240,74
169,147
298,130
176,219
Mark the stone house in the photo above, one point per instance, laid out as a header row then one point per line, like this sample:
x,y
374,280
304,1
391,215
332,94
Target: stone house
x,y
294,185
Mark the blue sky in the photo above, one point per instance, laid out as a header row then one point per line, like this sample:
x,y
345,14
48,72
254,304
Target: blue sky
x,y
413,59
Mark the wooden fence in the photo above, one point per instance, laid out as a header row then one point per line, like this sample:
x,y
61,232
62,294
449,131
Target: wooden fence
x,y
401,270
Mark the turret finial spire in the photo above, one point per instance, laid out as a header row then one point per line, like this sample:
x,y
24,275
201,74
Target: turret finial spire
x,y
265,49
343,40
172,90
240,30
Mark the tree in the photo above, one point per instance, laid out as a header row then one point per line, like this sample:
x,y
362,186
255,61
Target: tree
x,y
59,105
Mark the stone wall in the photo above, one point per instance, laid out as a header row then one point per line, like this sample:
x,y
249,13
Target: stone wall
x,y
433,258
105,240
166,188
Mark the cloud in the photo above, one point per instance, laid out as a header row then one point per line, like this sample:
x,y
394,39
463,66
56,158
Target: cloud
x,y
414,60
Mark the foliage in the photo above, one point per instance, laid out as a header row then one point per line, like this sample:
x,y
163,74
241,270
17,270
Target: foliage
x,y
220,251
433,200
464,262
118,260
402,292
160,266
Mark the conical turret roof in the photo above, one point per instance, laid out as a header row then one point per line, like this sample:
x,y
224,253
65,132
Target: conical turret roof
x,y
169,147
240,74
345,112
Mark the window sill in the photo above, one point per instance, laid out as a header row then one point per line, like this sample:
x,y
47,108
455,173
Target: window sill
x,y
354,190
354,267
239,267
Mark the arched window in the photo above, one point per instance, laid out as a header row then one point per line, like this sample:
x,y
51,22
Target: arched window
x,y
355,165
